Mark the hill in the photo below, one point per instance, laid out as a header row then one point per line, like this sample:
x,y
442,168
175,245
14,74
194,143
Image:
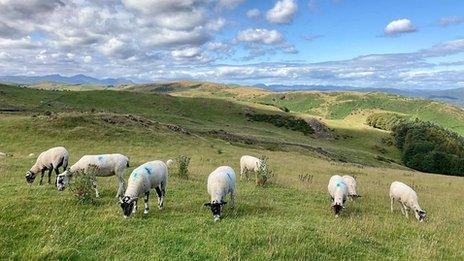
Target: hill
x,y
288,219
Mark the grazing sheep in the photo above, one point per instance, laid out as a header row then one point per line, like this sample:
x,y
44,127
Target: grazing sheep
x,y
338,191
220,183
351,184
50,160
107,165
248,164
170,163
153,174
407,197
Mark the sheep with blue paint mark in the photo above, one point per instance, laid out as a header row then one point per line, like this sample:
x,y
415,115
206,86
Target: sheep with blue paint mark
x,y
106,165
338,191
151,175
221,182
50,160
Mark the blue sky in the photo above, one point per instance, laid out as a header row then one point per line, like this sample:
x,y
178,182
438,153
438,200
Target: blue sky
x,y
400,44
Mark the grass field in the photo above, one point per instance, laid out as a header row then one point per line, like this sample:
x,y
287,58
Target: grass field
x,y
288,219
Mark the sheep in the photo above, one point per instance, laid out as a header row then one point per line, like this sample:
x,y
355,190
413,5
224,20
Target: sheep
x,y
220,183
249,164
50,160
338,191
170,162
351,184
107,165
153,174
407,197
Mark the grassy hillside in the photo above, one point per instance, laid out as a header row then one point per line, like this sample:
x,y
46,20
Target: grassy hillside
x,y
289,219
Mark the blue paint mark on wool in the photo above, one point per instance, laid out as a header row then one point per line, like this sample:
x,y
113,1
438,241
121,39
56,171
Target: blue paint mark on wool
x,y
229,176
100,158
148,170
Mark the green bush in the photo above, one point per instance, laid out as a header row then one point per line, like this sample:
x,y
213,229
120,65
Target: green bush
x,y
81,185
430,148
184,162
264,174
288,122
385,120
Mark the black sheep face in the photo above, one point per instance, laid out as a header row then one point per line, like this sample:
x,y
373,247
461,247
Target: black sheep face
x,y
30,176
127,205
216,208
337,208
420,215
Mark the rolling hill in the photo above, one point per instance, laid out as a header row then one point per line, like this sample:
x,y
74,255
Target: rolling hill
x,y
290,218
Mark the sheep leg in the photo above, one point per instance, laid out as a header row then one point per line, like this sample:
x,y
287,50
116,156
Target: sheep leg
x,y
42,176
145,200
49,175
406,211
134,209
391,204
159,192
232,199
402,208
122,187
94,183
57,172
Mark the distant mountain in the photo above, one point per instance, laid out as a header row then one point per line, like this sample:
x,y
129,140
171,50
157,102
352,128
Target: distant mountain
x,y
453,96
76,79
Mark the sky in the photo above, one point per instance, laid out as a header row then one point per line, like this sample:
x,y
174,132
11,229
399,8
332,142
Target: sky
x,y
407,44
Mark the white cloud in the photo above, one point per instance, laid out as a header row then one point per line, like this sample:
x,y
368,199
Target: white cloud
x,y
253,13
263,36
452,20
400,26
282,12
229,4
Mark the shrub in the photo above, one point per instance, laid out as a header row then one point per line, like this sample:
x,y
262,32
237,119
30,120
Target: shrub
x,y
289,122
184,162
81,185
430,148
264,174
385,120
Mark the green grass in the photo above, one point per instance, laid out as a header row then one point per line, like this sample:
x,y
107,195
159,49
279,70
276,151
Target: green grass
x,y
289,219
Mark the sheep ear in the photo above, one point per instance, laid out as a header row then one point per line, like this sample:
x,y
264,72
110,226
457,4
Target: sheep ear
x,y
207,204
223,202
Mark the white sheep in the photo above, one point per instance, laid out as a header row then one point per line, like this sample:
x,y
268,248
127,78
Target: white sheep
x,y
220,183
107,165
407,197
50,160
170,162
338,191
351,184
249,164
153,174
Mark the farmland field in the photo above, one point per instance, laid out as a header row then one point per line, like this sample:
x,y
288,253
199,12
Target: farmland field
x,y
290,218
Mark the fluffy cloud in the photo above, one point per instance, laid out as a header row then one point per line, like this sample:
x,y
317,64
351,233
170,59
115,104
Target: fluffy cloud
x,y
228,4
452,20
282,12
400,26
263,36
253,13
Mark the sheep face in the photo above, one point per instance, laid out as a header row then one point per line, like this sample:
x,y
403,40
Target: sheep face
x,y
216,208
62,181
337,208
127,205
30,176
420,215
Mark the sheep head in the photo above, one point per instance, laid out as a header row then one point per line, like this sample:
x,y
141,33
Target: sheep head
x,y
30,176
216,208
